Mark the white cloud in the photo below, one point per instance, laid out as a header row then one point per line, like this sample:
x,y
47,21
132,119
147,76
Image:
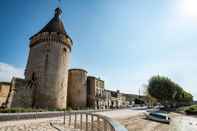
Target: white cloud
x,y
7,71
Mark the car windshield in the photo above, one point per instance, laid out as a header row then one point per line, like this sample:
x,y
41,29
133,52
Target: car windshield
x,y
161,116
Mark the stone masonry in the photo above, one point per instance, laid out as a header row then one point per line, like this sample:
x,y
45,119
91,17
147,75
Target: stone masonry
x,y
77,88
20,94
4,91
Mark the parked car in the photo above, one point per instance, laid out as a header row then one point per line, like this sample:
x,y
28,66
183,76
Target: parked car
x,y
158,116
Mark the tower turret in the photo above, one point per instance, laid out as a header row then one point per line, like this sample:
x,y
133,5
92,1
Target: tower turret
x,y
47,64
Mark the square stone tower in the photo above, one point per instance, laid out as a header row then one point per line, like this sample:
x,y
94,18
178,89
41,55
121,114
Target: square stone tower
x,y
47,66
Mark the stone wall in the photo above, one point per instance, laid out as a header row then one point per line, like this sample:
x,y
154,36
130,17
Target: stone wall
x,y
4,92
20,94
77,88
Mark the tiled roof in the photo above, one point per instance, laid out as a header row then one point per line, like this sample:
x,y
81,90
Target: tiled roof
x,y
54,25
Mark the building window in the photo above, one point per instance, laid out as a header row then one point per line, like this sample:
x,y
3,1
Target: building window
x,y
65,50
78,77
97,84
64,56
78,92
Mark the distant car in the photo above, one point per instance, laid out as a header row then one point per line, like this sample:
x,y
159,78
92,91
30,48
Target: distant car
x,y
130,106
158,116
152,110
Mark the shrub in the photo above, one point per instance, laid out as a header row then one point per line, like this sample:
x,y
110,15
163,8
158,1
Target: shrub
x,y
192,110
69,108
15,110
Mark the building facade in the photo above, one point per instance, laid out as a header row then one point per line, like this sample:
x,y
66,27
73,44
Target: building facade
x,y
4,92
20,94
96,95
108,100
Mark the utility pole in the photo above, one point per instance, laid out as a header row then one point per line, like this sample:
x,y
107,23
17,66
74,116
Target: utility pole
x,y
59,3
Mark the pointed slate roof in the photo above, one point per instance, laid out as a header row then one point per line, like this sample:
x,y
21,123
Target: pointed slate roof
x,y
54,25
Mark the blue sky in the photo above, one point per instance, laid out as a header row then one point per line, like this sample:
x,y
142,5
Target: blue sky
x,y
123,42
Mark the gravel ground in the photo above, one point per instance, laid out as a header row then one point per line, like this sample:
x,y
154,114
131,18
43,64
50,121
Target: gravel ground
x,y
184,123
139,123
134,120
30,125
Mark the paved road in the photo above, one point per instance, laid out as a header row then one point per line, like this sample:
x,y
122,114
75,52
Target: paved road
x,y
184,123
134,120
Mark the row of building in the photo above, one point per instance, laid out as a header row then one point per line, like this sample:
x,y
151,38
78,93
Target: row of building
x,y
89,91
83,92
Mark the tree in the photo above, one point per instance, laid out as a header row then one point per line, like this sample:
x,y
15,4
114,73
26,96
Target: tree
x,y
167,92
138,101
151,101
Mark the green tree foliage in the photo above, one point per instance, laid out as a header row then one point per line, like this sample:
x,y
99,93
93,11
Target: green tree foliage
x,y
167,92
192,110
138,101
151,101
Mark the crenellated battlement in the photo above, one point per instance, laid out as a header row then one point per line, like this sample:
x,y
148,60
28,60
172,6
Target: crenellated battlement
x,y
53,36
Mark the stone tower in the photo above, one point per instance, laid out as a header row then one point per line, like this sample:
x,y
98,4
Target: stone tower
x,y
47,66
77,88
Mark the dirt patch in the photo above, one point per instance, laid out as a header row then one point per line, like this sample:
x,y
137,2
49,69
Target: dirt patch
x,y
139,123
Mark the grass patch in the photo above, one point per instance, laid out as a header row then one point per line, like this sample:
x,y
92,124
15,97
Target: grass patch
x,y
20,110
182,109
192,110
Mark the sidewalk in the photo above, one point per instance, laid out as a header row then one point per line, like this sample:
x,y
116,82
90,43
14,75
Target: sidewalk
x,y
184,123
